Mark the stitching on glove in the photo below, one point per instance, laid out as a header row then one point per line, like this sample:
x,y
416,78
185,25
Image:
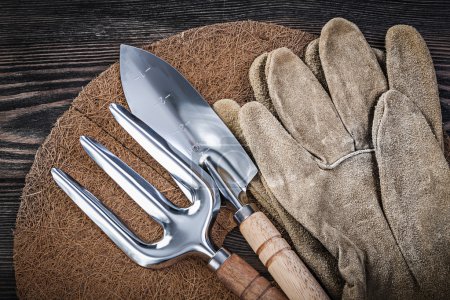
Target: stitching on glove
x,y
340,160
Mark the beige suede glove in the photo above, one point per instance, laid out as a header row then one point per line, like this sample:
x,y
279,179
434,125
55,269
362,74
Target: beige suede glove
x,y
364,174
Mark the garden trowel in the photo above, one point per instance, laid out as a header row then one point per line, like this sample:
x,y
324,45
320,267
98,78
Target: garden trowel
x,y
161,97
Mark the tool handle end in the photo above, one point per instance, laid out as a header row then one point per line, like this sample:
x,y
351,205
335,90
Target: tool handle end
x,y
244,281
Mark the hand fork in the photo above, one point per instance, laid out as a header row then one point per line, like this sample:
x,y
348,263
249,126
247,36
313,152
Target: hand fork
x,y
186,230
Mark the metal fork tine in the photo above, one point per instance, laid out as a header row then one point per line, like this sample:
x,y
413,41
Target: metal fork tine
x,y
173,161
108,222
142,192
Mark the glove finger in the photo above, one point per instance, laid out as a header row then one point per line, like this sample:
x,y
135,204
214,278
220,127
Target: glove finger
x,y
381,58
415,188
257,77
354,77
312,60
228,112
410,70
305,108
271,145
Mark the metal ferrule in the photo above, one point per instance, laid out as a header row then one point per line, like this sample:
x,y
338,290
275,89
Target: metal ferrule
x,y
218,259
244,212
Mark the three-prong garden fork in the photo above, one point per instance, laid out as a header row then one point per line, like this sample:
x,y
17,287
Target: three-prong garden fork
x,y
186,230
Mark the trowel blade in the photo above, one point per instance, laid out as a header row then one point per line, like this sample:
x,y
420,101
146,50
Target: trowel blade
x,y
161,97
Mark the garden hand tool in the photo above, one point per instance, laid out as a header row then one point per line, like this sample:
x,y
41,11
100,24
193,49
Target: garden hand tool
x,y
186,230
160,96
367,179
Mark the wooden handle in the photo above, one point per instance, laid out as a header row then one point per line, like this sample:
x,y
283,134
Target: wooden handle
x,y
284,265
244,281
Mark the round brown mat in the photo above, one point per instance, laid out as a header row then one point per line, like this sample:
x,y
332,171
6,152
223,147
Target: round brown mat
x,y
58,251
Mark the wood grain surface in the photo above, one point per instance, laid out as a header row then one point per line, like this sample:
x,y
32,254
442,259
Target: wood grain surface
x,y
288,270
244,281
50,49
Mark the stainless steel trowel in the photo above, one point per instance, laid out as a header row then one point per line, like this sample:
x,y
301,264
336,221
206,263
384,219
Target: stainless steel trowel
x,y
161,97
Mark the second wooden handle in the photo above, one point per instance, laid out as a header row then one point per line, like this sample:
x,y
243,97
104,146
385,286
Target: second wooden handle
x,y
245,282
284,265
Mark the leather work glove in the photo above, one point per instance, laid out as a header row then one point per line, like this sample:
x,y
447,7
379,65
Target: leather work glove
x,y
358,163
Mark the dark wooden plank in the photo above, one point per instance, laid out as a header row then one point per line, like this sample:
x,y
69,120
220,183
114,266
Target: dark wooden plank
x,y
49,50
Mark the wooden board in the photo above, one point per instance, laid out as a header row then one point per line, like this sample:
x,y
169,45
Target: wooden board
x,y
49,50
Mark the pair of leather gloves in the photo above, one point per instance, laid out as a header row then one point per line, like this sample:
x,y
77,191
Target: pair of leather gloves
x,y
349,145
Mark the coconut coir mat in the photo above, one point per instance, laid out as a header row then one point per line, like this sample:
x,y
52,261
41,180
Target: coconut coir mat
x,y
58,251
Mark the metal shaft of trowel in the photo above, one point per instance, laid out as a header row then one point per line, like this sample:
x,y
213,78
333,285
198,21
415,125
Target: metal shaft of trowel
x,y
232,191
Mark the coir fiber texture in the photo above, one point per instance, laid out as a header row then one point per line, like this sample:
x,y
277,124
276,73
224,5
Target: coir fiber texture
x,y
58,251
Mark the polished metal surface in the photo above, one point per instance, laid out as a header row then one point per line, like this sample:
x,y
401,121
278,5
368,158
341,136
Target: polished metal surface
x,y
244,212
218,259
186,230
161,97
